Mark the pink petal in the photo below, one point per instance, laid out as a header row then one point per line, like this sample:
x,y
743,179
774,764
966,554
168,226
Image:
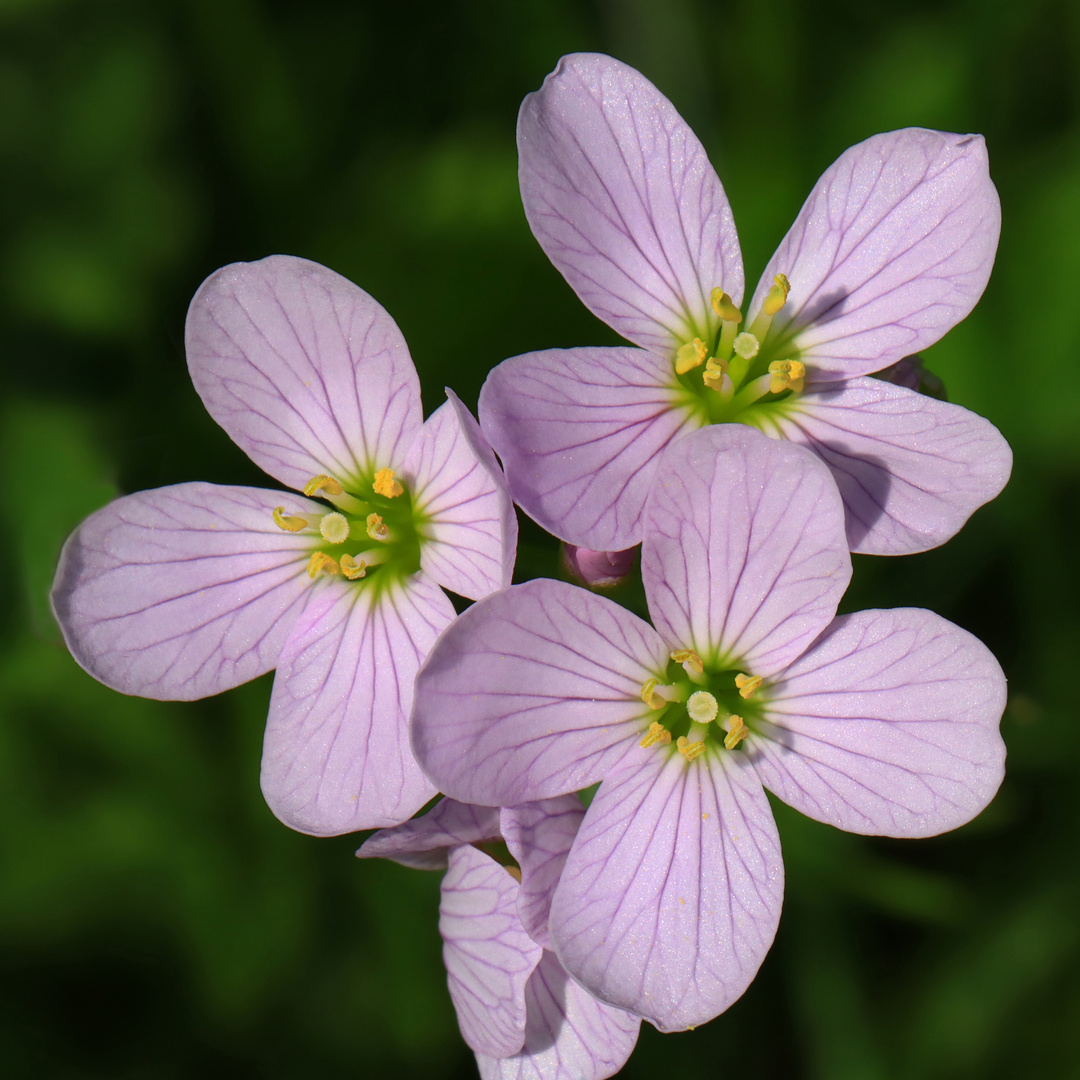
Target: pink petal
x,y
671,895
911,469
569,1035
539,836
532,693
888,725
892,249
579,432
744,556
621,196
488,955
458,485
336,756
305,371
423,842
184,591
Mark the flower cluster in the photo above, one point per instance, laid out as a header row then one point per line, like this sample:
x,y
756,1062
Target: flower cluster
x,y
609,848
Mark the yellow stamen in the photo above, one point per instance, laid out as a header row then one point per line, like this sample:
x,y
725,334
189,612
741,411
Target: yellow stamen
x,y
713,375
653,700
736,731
327,483
385,484
690,356
688,749
746,346
353,569
747,684
722,305
688,656
513,871
657,735
777,296
375,527
786,375
334,528
288,522
320,562
702,707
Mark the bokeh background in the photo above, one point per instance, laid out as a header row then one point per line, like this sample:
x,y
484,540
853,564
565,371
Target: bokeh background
x,y
155,920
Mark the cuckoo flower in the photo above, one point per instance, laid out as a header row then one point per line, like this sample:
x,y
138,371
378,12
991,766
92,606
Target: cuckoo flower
x,y
892,248
881,722
518,1011
186,591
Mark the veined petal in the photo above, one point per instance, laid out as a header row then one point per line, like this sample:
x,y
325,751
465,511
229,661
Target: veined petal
x,y
893,248
183,591
305,371
423,842
579,432
569,1035
336,755
531,693
744,554
488,955
888,726
671,895
539,836
621,196
458,485
910,469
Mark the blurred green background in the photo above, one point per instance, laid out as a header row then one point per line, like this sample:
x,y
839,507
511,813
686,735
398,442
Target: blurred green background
x,y
155,920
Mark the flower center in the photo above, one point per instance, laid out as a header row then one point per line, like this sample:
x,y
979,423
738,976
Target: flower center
x,y
742,376
694,706
372,534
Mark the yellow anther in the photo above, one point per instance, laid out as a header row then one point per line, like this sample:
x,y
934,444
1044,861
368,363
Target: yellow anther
x,y
657,735
653,700
786,375
327,483
713,375
690,356
334,528
385,484
746,345
722,305
353,569
702,707
320,562
747,684
688,656
514,872
736,731
376,529
688,749
777,296
288,522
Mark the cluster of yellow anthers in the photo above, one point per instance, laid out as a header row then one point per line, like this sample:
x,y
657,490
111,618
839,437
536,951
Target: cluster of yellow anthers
x,y
784,374
701,706
335,527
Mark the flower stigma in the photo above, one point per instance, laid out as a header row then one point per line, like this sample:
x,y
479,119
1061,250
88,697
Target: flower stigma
x,y
334,528
702,707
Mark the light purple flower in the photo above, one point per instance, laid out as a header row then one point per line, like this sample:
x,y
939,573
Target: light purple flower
x,y
517,1009
189,590
893,247
880,722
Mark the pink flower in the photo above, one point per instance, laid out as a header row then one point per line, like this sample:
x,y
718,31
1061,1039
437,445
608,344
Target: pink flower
x,y
186,591
892,248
